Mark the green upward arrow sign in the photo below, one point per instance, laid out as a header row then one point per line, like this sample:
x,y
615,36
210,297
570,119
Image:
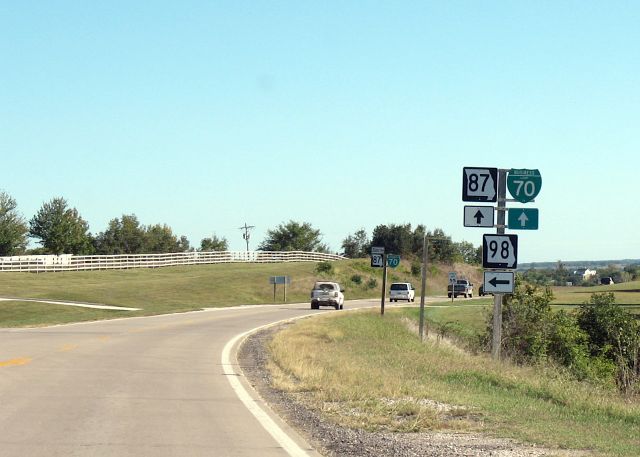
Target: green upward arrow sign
x,y
523,219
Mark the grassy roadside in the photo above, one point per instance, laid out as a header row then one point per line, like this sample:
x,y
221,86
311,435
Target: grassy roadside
x,y
371,372
178,289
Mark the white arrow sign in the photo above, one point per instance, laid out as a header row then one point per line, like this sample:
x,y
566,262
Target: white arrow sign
x,y
498,282
478,216
523,219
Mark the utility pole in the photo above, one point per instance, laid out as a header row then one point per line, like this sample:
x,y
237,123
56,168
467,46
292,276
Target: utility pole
x,y
247,233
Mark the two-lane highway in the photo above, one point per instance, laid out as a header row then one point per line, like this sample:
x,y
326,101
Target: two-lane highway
x,y
153,386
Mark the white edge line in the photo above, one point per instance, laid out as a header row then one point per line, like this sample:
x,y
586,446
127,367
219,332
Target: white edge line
x,y
292,448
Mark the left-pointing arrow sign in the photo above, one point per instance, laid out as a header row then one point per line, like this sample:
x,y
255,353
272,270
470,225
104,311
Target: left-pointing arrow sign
x,y
495,281
498,282
478,216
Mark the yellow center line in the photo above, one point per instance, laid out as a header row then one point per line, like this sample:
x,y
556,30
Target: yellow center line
x,y
68,347
15,362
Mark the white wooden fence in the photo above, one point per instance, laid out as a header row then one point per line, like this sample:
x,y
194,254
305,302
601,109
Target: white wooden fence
x,y
70,262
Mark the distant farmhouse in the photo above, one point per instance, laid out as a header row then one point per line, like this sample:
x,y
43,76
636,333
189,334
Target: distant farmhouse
x,y
584,273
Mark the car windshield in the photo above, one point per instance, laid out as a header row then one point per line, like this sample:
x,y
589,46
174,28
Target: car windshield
x,y
324,286
399,287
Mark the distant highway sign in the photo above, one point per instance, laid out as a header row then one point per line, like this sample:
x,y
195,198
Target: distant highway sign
x,y
377,260
393,260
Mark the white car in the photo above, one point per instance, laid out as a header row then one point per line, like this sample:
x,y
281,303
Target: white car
x,y
325,293
402,291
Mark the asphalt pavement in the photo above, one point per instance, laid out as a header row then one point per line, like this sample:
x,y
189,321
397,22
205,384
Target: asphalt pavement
x,y
148,386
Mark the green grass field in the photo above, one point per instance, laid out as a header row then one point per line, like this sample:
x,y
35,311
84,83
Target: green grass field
x,y
179,289
174,289
627,293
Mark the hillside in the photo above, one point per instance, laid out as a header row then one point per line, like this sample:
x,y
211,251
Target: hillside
x,y
187,288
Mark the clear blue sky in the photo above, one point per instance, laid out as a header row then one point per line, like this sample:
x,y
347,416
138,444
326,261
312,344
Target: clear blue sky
x,y
206,115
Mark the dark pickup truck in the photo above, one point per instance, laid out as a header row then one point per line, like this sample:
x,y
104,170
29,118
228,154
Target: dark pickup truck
x,y
461,287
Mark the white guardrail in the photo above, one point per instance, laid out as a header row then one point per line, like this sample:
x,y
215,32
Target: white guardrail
x,y
70,262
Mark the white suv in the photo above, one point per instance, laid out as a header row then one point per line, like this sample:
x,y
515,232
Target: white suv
x,y
402,291
326,293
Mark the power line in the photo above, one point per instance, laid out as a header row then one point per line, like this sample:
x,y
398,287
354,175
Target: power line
x,y
247,233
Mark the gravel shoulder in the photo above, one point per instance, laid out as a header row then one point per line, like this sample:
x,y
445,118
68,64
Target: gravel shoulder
x,y
333,440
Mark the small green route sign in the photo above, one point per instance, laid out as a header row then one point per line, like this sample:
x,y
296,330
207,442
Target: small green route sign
x,y
523,219
524,185
393,260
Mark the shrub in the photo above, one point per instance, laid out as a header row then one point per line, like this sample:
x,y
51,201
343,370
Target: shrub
x,y
356,279
614,335
416,268
372,283
568,346
600,343
526,321
324,267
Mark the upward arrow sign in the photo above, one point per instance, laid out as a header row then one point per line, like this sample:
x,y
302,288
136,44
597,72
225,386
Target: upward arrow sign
x,y
478,216
523,219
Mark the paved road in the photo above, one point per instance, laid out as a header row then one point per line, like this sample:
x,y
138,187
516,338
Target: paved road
x,y
153,386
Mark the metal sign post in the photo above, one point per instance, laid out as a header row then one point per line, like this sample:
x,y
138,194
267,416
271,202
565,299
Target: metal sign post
x,y
496,342
379,260
453,277
384,283
275,280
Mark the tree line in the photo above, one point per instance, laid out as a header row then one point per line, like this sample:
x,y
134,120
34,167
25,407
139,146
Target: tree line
x,y
561,275
59,228
402,239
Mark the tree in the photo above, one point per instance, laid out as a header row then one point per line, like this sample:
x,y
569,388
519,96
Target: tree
x,y
160,239
395,238
561,274
13,227
184,245
61,229
467,252
214,244
123,236
442,248
356,245
293,236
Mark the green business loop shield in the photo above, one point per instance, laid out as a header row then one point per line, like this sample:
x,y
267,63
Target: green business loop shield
x,y
524,185
393,261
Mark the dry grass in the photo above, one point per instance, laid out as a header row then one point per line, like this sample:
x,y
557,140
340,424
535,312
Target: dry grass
x,y
369,372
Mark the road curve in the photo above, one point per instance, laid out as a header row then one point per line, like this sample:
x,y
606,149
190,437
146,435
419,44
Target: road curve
x,y
153,386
